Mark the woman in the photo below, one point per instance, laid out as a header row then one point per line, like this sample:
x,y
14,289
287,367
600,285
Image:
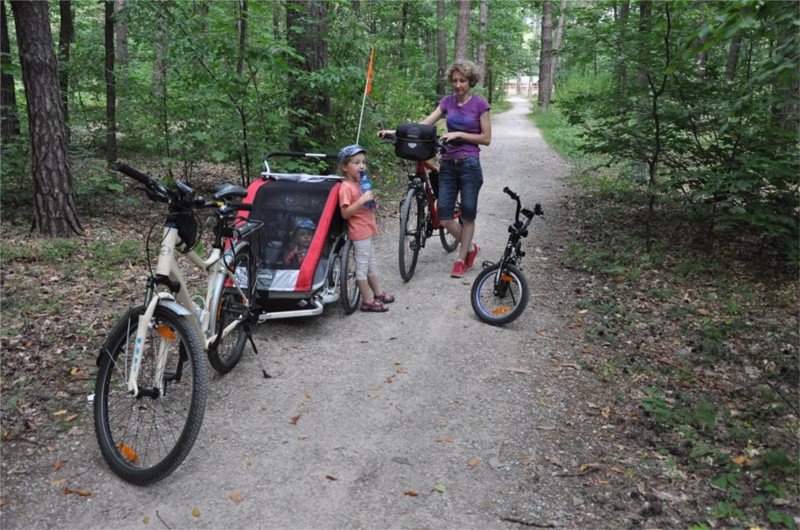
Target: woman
x,y
460,173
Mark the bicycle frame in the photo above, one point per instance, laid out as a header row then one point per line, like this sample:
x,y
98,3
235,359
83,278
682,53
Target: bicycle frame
x,y
169,273
422,173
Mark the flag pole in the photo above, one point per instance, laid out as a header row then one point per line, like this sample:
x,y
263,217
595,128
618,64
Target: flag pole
x,y
367,90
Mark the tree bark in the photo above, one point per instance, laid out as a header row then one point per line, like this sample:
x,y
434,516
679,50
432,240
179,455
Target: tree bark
x,y
65,38
111,86
121,34
546,56
559,38
483,20
10,130
733,58
441,46
307,30
620,66
241,26
462,30
54,211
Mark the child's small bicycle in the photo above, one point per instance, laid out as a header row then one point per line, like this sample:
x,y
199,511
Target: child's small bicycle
x,y
500,291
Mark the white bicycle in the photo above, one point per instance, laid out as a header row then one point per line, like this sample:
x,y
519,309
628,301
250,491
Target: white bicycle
x,y
152,378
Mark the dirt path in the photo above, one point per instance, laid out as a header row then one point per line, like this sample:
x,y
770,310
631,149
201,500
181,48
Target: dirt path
x,y
419,418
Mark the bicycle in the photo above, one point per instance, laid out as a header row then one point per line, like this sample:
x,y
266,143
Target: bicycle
x,y
152,379
500,291
419,215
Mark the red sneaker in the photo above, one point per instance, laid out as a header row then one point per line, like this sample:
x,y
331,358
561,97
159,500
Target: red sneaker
x,y
471,255
459,268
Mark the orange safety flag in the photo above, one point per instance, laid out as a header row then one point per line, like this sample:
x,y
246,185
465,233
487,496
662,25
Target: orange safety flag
x,y
368,90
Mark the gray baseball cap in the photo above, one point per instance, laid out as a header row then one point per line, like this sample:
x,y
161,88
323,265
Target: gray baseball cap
x,y
350,150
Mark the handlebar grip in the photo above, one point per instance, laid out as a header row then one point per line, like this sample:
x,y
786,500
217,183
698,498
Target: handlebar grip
x,y
240,206
510,193
134,174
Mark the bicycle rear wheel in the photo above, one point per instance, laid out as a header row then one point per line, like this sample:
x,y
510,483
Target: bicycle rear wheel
x,y
498,299
350,293
145,438
449,242
228,352
411,226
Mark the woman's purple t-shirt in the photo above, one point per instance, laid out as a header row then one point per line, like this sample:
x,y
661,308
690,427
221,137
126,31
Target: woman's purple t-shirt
x,y
466,118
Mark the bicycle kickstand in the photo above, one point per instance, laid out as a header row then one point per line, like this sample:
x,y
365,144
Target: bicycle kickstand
x,y
248,330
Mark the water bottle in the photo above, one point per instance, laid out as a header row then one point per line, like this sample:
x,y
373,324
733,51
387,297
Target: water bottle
x,y
366,185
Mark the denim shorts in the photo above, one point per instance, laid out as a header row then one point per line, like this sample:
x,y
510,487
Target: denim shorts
x,y
462,176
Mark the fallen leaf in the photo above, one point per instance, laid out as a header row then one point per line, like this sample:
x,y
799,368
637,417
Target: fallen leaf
x,y
145,519
331,477
295,419
445,440
3,502
410,493
473,462
80,491
616,469
196,512
59,465
703,312
742,460
389,379
236,496
440,488
594,466
309,395
71,418
60,412
555,461
402,371
58,482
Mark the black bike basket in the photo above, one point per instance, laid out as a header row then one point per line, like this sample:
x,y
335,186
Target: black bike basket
x,y
415,141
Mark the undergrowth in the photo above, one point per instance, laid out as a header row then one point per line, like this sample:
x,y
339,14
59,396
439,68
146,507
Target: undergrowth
x,y
701,327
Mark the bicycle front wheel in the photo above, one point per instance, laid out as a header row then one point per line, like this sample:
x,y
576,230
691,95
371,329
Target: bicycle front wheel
x,y
499,296
411,225
350,293
230,306
145,438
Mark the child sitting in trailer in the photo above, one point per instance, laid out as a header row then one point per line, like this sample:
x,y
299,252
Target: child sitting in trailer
x,y
301,240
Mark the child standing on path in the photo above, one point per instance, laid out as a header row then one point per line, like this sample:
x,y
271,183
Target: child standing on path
x,y
361,226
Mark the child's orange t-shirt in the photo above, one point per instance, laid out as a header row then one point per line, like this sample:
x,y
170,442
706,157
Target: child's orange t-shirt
x,y
362,224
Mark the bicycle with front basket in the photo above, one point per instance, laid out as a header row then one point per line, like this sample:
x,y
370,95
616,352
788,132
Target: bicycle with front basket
x,y
500,291
419,215
152,378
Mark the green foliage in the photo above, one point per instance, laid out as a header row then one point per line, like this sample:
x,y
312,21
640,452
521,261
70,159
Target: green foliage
x,y
727,146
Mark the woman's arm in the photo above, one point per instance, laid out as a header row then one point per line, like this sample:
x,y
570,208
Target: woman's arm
x,y
482,138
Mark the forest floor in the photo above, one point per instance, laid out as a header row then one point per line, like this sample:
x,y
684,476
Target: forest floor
x,y
639,390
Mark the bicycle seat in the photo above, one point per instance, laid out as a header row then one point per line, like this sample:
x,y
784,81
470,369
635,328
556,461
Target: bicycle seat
x,y
228,191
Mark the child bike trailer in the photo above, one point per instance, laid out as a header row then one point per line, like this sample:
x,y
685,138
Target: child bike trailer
x,y
303,258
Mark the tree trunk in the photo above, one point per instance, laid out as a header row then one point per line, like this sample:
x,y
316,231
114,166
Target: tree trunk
x,y
462,30
546,56
65,38
121,34
111,87
620,66
54,211
307,29
8,96
160,77
441,46
241,27
558,40
483,20
733,58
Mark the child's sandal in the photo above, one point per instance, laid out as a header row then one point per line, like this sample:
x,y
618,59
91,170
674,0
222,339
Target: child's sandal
x,y
384,298
374,307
